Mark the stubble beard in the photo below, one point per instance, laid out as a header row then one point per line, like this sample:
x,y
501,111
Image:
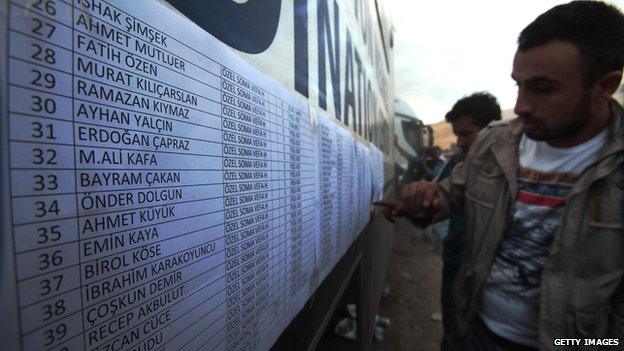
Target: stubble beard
x,y
562,132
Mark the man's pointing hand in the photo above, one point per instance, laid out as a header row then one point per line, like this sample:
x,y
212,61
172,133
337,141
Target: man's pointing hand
x,y
420,202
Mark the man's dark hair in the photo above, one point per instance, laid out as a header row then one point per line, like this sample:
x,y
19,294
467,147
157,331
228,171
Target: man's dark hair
x,y
595,28
482,108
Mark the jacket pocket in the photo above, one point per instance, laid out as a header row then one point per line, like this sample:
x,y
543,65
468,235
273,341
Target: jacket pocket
x,y
600,249
604,205
485,184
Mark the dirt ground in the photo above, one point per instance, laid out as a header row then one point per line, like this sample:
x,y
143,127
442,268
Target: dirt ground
x,y
414,278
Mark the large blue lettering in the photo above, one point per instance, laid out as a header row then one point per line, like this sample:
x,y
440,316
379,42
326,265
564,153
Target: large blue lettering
x,y
325,42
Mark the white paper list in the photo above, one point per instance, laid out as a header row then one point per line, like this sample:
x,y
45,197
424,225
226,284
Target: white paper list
x,y
164,193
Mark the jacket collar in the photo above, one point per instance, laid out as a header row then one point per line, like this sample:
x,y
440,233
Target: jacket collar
x,y
505,150
615,139
612,155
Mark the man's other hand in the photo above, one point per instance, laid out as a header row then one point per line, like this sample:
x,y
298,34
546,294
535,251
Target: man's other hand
x,y
421,200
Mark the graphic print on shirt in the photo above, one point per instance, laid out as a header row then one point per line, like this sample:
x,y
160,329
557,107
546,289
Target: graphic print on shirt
x,y
517,268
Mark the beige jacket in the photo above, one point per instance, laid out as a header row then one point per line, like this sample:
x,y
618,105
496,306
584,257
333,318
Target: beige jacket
x,y
582,290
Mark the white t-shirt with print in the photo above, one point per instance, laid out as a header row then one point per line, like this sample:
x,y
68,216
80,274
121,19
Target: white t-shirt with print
x,y
509,303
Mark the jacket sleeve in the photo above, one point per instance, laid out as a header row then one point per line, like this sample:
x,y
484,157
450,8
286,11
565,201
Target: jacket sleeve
x,y
452,191
454,186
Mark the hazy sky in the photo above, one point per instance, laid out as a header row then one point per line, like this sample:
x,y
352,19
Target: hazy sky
x,y
448,49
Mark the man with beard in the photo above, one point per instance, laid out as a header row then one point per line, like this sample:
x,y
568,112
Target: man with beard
x,y
543,194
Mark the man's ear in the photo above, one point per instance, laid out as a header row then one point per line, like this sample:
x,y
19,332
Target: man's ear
x,y
607,85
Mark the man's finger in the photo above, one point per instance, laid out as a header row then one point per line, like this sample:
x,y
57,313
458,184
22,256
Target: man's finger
x,y
386,204
399,210
406,190
412,196
437,202
430,194
391,208
388,216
